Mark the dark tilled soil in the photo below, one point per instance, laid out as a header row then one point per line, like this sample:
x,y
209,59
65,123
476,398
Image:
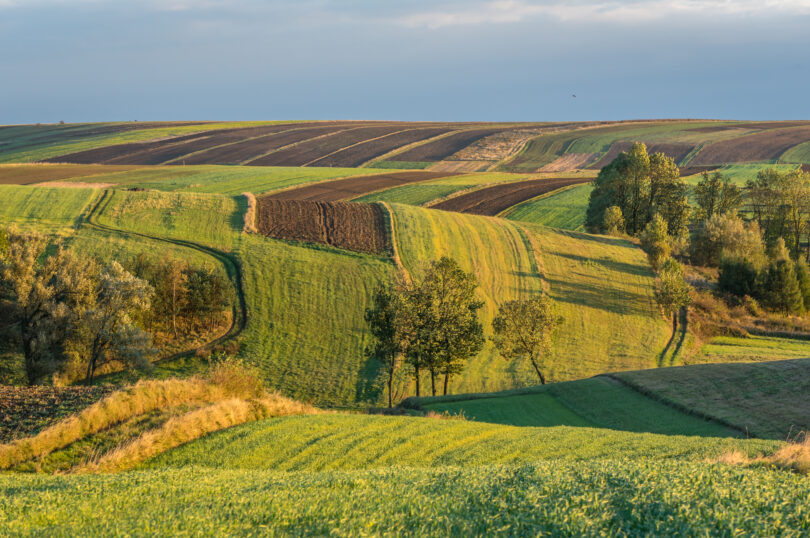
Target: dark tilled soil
x,y
37,173
441,149
25,411
492,200
357,155
675,150
346,189
351,226
763,146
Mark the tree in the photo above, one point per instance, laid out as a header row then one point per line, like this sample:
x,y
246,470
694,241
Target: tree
x,y
725,235
672,291
387,324
655,242
781,288
107,330
803,278
715,194
207,293
524,328
613,223
640,185
738,276
780,204
171,289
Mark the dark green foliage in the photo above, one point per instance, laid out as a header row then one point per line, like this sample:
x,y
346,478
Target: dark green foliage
x,y
803,277
671,290
716,195
641,185
655,242
738,276
387,325
780,288
780,204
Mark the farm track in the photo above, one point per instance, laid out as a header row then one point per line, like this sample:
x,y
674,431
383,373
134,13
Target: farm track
x,y
353,187
231,263
491,201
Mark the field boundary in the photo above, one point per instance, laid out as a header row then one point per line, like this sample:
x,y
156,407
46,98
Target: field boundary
x,y
392,232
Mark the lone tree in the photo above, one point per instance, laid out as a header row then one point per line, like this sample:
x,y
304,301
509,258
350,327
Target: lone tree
x,y
655,242
387,323
523,328
672,291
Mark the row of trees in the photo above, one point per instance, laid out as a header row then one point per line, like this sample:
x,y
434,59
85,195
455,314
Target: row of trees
x,y
430,324
70,316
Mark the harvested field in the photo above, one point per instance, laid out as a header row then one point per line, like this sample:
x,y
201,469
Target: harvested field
x,y
493,200
675,150
459,166
569,161
692,170
344,189
443,148
497,146
25,411
352,226
26,174
766,146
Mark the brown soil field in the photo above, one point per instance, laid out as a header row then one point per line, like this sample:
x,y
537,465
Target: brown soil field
x,y
764,146
27,174
692,170
443,148
569,161
806,168
675,150
27,410
366,151
492,200
458,167
351,226
345,189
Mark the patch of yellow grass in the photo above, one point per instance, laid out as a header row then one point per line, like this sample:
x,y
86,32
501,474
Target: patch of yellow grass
x,y
794,456
193,425
250,214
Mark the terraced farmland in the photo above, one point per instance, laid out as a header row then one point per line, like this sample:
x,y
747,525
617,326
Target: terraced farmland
x,y
494,200
358,227
344,189
765,146
677,151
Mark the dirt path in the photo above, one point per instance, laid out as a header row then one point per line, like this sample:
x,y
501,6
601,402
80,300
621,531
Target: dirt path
x,y
231,264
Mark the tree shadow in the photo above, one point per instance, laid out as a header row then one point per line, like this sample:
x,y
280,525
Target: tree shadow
x,y
622,267
237,218
618,302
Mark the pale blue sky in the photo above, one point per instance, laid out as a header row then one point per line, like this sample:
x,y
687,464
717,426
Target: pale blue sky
x,y
94,60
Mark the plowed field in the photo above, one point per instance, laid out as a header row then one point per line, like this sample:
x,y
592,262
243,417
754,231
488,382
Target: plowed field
x,y
443,148
675,150
26,174
765,146
352,226
806,168
493,200
344,189
363,152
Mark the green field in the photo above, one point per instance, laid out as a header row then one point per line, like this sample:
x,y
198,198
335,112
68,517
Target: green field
x,y
797,154
564,208
52,208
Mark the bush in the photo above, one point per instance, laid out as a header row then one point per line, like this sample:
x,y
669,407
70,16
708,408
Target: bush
x,y
236,377
739,277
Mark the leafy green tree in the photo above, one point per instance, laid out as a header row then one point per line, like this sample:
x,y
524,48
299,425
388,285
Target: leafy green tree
x,y
725,235
780,203
780,288
715,194
613,223
207,293
803,278
387,324
641,185
655,241
739,276
524,328
170,283
672,291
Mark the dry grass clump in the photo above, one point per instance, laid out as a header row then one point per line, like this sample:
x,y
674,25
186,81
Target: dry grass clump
x,y
250,214
193,425
446,415
235,389
794,456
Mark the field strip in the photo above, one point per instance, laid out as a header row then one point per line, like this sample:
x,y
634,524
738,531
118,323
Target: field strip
x,y
310,163
392,230
412,145
478,187
680,407
233,269
248,139
294,144
508,211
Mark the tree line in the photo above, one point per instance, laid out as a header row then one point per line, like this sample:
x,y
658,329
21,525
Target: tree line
x,y
430,325
757,235
68,316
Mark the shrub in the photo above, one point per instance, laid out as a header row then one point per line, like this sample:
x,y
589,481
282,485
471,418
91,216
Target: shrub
x,y
236,378
613,222
739,277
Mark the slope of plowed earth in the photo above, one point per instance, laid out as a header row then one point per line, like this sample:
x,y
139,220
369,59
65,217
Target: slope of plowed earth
x,y
569,161
603,288
493,200
677,151
767,398
305,326
621,497
444,147
596,402
765,146
353,226
24,174
343,189
350,442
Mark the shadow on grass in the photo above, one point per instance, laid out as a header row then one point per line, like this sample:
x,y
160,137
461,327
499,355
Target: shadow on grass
x,y
618,302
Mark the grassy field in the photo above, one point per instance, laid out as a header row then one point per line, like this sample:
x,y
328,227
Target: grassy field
x,y
564,208
797,154
605,298
44,207
598,402
591,498
753,349
769,399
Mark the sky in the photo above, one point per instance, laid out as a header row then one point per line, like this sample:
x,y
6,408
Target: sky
x,y
442,60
